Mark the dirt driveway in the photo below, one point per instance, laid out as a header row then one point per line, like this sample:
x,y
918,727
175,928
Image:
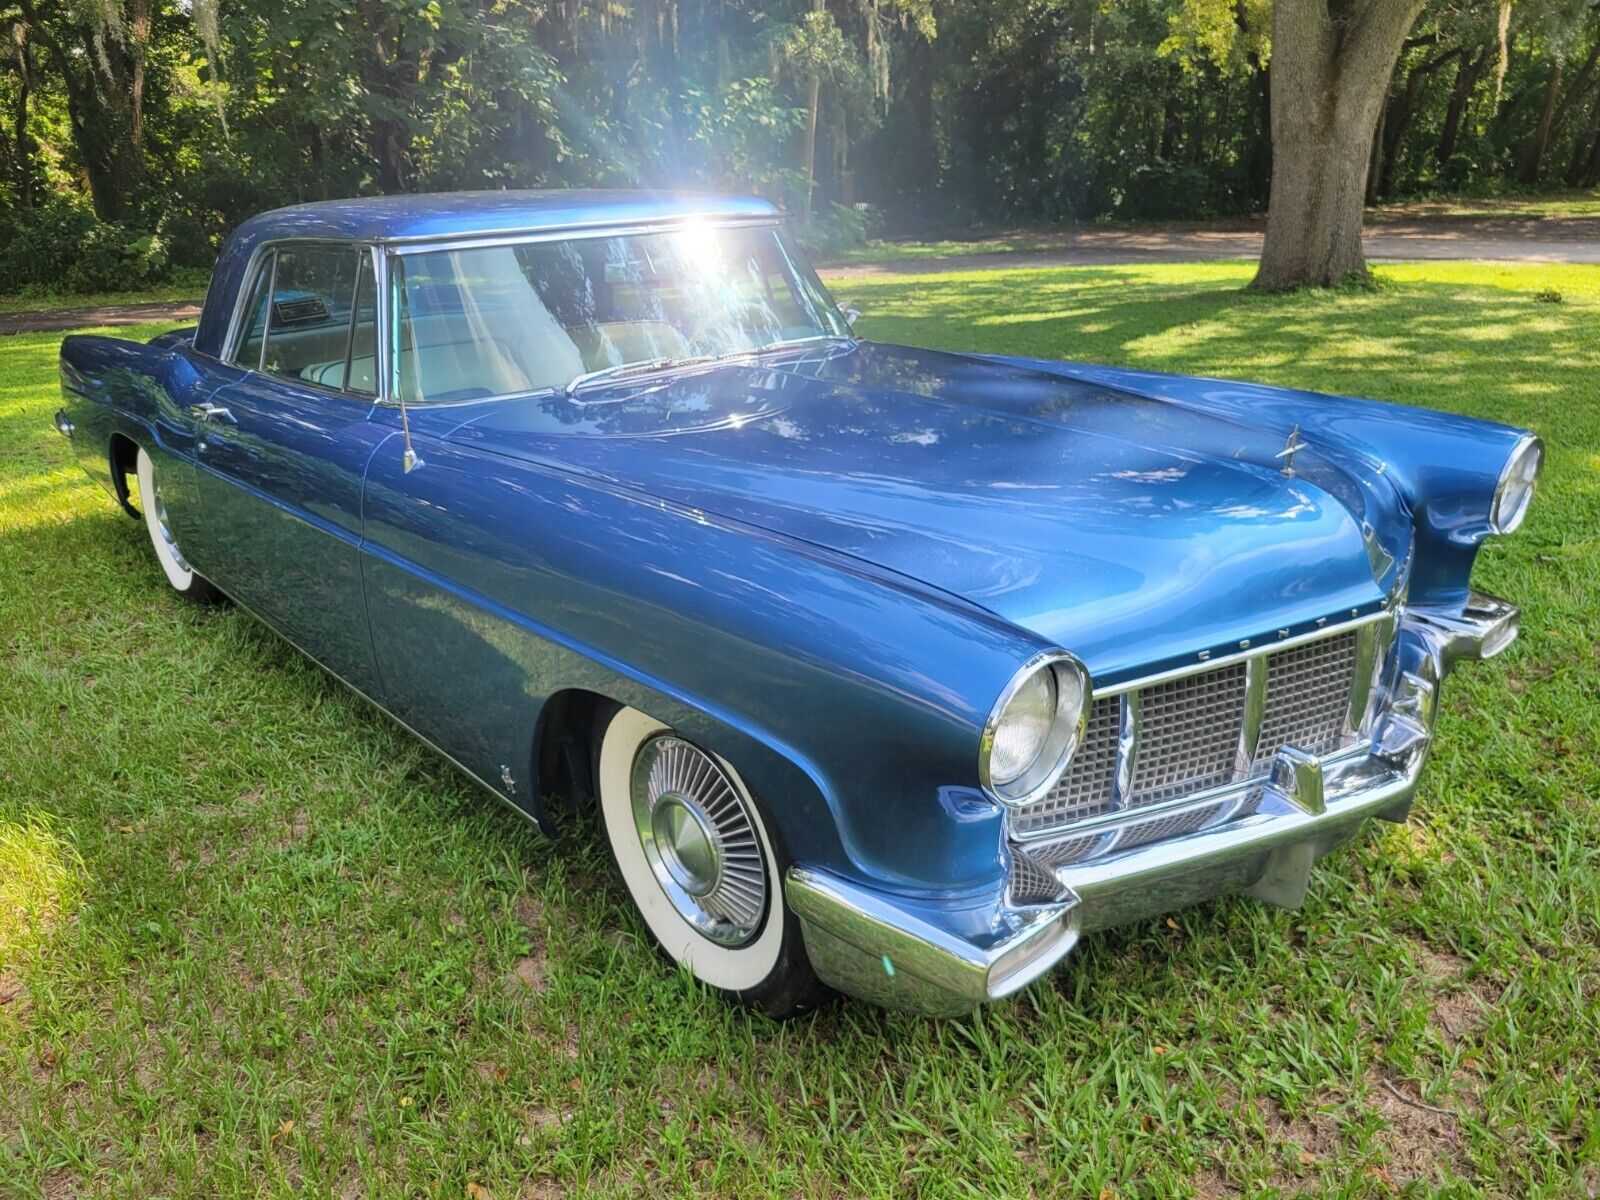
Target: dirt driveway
x,y
1511,239
1507,238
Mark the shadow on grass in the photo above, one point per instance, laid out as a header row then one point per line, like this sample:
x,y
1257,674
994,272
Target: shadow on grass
x,y
1487,353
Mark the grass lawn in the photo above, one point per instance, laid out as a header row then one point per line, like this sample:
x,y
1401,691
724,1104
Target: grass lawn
x,y
1555,204
253,939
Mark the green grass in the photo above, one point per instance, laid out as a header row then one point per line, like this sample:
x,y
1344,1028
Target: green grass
x,y
1556,204
289,951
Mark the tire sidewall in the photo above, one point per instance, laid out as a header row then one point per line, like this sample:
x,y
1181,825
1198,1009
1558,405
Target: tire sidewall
x,y
745,972
179,575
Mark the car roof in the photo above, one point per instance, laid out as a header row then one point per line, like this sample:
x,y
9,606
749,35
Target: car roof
x,y
447,216
468,214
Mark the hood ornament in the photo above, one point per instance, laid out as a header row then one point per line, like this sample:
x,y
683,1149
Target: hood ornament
x,y
1290,448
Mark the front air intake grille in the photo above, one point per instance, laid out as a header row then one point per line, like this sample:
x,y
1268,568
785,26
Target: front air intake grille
x,y
1308,697
1194,734
1189,731
1084,791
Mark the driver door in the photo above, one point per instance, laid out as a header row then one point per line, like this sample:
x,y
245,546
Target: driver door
x,y
282,449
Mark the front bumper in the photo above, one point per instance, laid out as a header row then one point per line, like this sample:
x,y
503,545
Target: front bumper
x,y
943,958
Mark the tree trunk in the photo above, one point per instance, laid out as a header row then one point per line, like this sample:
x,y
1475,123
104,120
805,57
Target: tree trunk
x,y
1395,120
1470,67
1379,158
96,72
919,155
1583,145
391,151
1171,114
1330,75
808,150
1533,155
25,168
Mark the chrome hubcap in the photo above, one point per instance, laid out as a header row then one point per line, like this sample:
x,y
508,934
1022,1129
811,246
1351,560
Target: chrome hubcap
x,y
699,839
687,842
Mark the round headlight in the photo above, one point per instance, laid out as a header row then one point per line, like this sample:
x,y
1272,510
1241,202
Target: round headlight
x,y
1033,730
1514,492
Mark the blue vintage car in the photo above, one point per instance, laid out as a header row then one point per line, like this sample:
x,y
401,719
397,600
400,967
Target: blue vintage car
x,y
889,670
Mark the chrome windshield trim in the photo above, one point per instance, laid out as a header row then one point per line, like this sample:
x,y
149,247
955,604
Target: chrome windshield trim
x,y
456,240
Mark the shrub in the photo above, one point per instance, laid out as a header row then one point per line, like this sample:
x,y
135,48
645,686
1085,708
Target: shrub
x,y
37,246
117,258
1166,191
838,227
61,246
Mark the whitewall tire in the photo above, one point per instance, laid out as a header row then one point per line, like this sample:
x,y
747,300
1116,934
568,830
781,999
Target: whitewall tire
x,y
152,504
700,864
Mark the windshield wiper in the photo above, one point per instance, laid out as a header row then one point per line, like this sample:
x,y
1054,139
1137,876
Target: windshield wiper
x,y
618,370
650,365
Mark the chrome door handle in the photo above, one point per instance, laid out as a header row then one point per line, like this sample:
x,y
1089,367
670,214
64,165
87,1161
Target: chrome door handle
x,y
208,411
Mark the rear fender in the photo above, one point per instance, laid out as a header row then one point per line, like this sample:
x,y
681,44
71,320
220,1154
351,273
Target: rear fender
x,y
110,386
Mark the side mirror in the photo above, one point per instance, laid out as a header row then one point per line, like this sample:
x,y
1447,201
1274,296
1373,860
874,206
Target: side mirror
x,y
851,316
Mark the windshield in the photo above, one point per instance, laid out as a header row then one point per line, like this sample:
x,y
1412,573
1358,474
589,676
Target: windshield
x,y
499,320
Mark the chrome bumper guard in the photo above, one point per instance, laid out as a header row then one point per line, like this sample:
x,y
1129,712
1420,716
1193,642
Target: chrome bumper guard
x,y
944,958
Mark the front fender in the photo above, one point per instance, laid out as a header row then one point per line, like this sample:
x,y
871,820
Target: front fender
x,y
1442,468
852,701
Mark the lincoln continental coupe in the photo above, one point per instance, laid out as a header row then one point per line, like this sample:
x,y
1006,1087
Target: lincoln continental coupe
x,y
889,670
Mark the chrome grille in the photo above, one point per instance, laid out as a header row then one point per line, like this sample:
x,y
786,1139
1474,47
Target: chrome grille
x,y
1191,735
1308,697
1185,821
1084,789
1189,731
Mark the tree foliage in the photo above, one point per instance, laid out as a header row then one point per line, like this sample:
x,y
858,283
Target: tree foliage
x,y
177,118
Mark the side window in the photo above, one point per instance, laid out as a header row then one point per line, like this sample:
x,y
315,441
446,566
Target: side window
x,y
309,318
249,352
363,378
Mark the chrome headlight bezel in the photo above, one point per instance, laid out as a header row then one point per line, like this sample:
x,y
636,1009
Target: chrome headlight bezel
x,y
1513,492
1061,739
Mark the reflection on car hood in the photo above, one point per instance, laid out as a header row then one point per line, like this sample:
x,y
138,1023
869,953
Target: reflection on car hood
x,y
1109,523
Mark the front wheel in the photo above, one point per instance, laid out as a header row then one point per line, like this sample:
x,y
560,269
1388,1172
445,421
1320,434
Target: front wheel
x,y
700,865
152,504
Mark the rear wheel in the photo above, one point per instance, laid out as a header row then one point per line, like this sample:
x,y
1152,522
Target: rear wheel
x,y
701,865
179,573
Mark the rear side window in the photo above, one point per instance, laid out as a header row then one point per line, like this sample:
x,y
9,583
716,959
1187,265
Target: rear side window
x,y
310,315
249,353
363,376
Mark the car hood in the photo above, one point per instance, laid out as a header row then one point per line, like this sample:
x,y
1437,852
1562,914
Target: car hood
x,y
1134,532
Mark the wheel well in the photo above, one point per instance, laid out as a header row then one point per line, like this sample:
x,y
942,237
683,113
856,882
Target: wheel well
x,y
563,758
124,463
